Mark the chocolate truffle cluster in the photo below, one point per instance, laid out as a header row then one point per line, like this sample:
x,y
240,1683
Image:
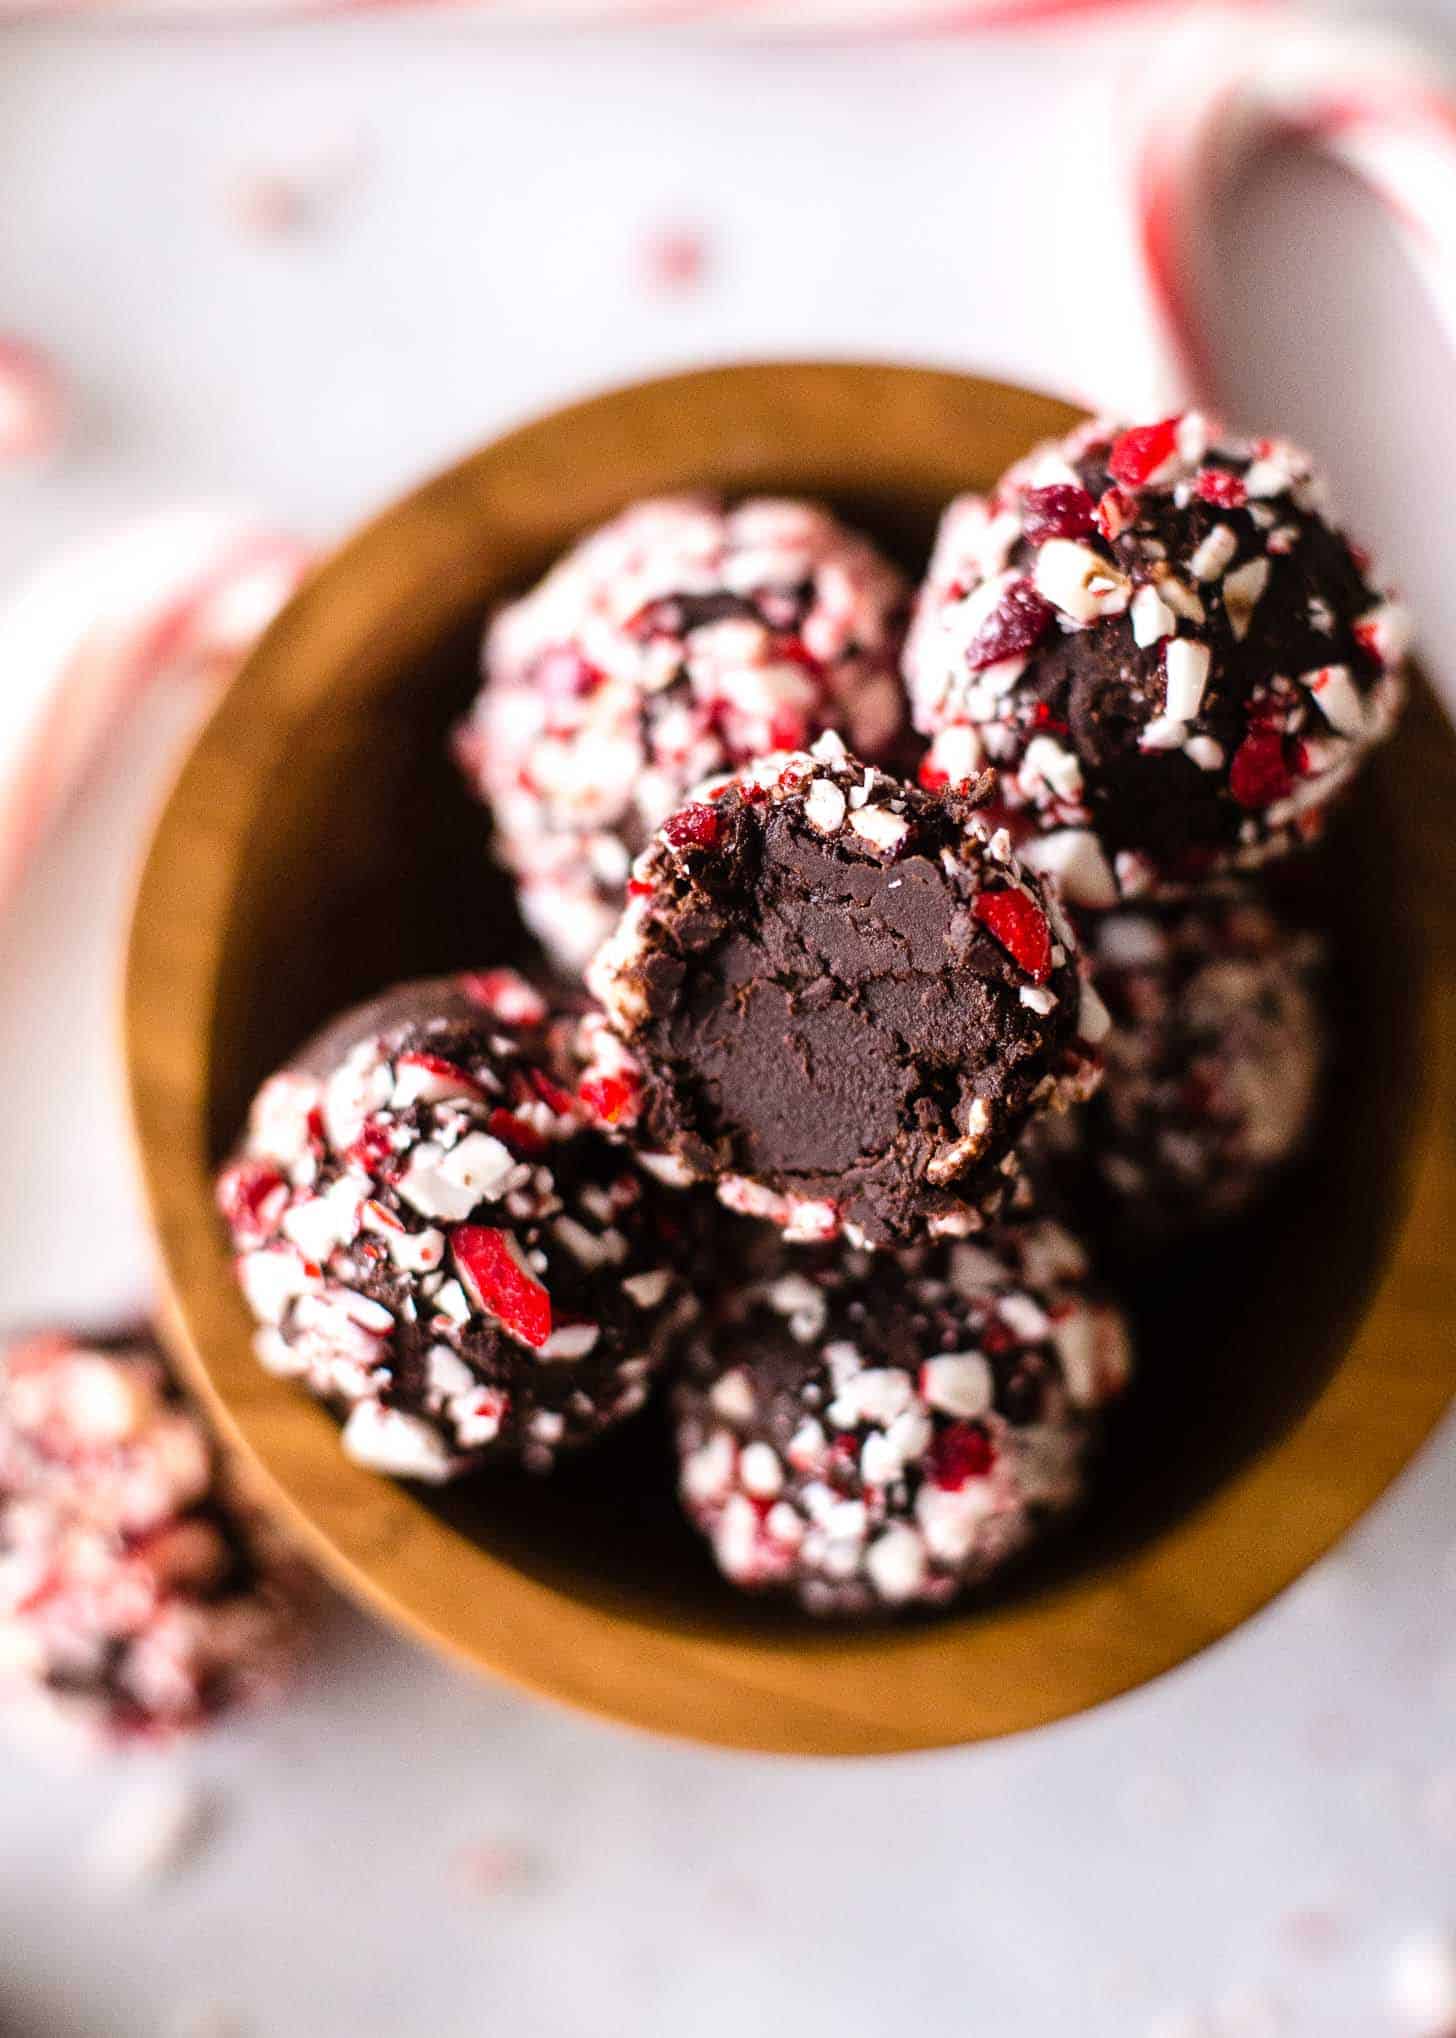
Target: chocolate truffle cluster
x,y
853,1032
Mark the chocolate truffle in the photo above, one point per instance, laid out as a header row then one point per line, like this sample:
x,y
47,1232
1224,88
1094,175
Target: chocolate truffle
x,y
874,1430
1212,1061
436,1237
137,1597
844,1000
679,640
1168,651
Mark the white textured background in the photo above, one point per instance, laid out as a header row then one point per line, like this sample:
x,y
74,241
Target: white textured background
x,y
1233,1851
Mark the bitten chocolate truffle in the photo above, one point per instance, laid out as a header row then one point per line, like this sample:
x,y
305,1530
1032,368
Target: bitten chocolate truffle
x,y
436,1237
844,1000
138,1598
1213,1060
1170,654
679,640
877,1430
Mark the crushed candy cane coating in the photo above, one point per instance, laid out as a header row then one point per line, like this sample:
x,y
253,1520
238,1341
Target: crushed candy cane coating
x,y
1212,1064
1168,652
876,1431
437,1238
139,1596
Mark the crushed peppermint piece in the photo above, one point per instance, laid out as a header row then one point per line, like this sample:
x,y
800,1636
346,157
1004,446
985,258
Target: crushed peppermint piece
x,y
1336,697
958,1383
1185,666
825,806
1261,775
1152,619
879,826
1242,591
495,1276
648,1290
571,1341
1021,927
1222,486
1145,454
1215,553
1055,767
1080,582
389,1440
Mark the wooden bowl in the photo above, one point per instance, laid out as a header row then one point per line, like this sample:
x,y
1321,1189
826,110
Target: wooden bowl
x,y
316,846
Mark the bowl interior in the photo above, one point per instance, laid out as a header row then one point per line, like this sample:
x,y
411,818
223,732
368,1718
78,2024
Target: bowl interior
x,y
320,846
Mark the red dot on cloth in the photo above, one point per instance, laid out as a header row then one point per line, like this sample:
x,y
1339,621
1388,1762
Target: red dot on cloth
x,y
270,204
32,404
674,259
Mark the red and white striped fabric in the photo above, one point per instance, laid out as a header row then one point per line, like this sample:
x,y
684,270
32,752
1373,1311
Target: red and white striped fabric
x,y
176,596
1208,89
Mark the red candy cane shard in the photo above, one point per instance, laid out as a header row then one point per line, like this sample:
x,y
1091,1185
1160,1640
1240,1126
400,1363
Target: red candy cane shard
x,y
1020,926
497,1280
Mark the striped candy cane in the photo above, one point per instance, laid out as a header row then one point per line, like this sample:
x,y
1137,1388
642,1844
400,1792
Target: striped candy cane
x,y
762,20
180,595
1210,88
1225,84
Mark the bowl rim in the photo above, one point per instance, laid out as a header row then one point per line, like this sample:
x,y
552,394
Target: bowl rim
x,y
1087,1638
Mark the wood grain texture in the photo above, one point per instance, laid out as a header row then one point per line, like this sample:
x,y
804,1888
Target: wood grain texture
x,y
315,847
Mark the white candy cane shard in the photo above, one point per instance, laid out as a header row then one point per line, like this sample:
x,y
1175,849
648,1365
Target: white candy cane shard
x,y
1079,581
1151,616
1186,664
1075,859
1242,592
1215,554
1336,698
388,1440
